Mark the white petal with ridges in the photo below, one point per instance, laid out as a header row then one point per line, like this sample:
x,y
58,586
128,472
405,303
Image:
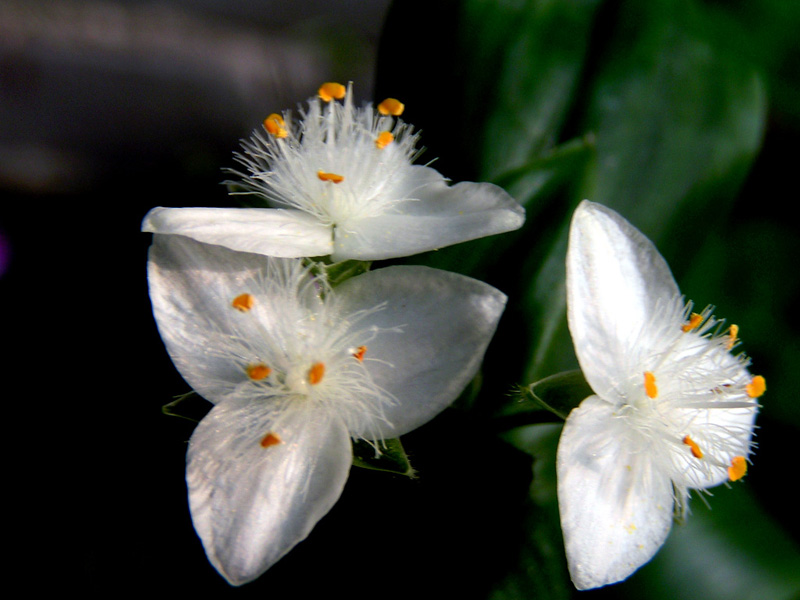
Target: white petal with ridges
x,y
620,290
447,321
250,504
273,232
616,508
428,218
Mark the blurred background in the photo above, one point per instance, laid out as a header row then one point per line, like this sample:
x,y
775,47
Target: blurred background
x,y
681,114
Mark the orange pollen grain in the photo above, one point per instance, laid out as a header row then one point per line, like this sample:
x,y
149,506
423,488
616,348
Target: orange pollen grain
x,y
696,452
274,125
315,373
738,468
733,336
360,352
271,439
757,387
243,302
258,372
330,90
384,139
694,322
650,385
391,106
332,177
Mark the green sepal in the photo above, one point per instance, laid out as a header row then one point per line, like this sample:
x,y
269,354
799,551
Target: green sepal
x,y
169,408
342,271
558,394
388,455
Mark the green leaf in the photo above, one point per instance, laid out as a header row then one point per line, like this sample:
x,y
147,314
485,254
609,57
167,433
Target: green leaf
x,y
388,455
677,123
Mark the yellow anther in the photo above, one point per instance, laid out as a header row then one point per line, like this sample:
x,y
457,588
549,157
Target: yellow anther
x,y
738,468
332,177
384,139
258,372
330,90
274,124
315,373
360,352
733,336
650,384
696,452
243,302
756,387
694,322
391,106
271,439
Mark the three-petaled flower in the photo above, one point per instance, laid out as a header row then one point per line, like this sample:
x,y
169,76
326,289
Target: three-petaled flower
x,y
341,182
673,408
295,369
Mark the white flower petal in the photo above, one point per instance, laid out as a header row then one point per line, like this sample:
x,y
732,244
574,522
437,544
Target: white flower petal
x,y
619,290
447,321
273,232
436,216
616,508
192,286
252,504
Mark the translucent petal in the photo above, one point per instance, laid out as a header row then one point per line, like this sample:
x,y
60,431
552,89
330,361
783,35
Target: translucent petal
x,y
447,321
192,286
432,216
619,291
615,505
273,232
251,504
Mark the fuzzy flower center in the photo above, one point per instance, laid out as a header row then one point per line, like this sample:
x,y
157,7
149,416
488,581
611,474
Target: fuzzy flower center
x,y
338,163
292,345
689,403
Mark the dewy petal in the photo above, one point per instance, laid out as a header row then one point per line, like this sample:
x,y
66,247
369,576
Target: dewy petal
x,y
191,289
432,216
447,321
251,504
273,232
616,507
619,288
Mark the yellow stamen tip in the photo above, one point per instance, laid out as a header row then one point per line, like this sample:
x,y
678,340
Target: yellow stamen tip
x,y
274,124
258,372
384,139
694,322
757,387
696,452
391,106
332,177
738,468
243,302
315,373
650,387
733,336
330,90
359,353
271,439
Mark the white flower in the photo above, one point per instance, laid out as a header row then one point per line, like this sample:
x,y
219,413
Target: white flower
x,y
340,182
295,369
673,410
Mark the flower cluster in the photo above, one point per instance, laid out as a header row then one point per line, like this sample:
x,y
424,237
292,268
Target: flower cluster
x,y
295,368
673,408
